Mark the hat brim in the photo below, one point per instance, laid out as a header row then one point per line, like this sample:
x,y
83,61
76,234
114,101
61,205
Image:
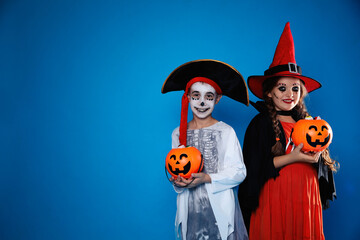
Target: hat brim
x,y
228,78
255,83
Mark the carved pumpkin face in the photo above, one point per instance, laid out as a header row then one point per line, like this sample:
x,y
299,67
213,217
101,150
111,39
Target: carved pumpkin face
x,y
316,135
184,161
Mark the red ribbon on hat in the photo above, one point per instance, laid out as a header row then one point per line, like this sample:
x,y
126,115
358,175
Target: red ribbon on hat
x,y
185,105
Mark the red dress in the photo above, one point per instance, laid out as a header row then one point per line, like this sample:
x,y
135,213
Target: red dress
x,y
290,205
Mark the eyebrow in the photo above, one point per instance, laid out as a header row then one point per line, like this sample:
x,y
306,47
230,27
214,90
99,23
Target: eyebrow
x,y
205,93
283,84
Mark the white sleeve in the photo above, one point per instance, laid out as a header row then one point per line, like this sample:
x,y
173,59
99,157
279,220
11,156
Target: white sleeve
x,y
175,144
234,171
175,138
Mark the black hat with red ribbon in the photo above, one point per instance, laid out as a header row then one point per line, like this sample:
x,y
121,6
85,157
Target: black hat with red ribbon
x,y
225,79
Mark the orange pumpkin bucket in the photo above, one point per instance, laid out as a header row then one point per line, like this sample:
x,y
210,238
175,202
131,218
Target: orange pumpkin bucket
x,y
316,135
183,162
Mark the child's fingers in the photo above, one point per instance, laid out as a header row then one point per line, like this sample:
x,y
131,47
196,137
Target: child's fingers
x,y
196,175
299,147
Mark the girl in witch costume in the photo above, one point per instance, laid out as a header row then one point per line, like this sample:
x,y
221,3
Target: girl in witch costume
x,y
206,203
285,189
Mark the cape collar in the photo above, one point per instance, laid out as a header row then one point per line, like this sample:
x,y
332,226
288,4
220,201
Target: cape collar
x,y
261,107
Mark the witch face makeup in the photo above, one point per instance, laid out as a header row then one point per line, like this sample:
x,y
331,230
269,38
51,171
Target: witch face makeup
x,y
202,98
286,93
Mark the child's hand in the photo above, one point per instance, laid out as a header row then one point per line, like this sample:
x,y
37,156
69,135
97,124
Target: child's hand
x,y
309,157
178,181
199,178
195,180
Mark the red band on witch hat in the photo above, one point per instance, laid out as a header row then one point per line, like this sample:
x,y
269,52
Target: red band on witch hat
x,y
185,105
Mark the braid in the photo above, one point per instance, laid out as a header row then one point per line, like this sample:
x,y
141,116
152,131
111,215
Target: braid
x,y
277,149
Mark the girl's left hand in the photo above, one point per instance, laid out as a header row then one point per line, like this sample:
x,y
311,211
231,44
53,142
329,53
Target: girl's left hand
x,y
296,156
195,180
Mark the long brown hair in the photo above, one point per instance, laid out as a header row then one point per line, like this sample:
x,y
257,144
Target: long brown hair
x,y
300,109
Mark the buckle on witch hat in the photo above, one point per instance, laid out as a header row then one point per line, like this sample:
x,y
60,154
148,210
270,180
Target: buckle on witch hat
x,y
293,68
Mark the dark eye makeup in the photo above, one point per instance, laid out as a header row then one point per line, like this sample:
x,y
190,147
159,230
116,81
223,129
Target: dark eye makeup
x,y
295,89
282,88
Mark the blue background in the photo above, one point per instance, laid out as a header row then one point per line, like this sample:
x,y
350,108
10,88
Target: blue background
x,y
85,129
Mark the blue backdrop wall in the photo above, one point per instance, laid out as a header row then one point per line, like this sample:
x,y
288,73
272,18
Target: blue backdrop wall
x,y
84,127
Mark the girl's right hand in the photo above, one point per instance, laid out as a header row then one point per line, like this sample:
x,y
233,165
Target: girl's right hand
x,y
308,157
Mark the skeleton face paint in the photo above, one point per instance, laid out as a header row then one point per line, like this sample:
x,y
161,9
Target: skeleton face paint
x,y
202,99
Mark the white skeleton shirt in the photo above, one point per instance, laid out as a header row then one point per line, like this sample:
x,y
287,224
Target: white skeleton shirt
x,y
211,210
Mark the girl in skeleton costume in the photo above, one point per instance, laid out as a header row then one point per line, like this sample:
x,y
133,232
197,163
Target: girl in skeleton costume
x,y
285,189
206,203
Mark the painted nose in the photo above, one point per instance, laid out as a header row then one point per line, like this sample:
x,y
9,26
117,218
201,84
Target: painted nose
x,y
202,104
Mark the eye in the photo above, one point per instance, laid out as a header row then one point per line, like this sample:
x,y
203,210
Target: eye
x,y
209,97
173,157
295,89
324,127
282,89
313,127
195,96
183,155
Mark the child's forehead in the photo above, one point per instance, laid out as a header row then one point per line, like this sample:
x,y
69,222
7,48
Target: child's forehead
x,y
201,87
292,83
